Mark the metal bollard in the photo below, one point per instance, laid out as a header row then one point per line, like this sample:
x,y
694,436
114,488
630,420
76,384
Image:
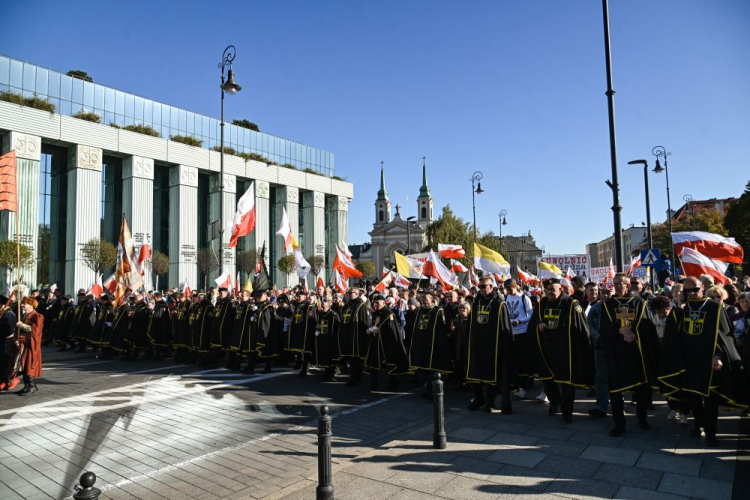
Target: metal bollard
x,y
324,491
439,438
86,490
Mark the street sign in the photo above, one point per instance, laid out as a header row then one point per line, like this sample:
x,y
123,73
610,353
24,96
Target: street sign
x,y
650,256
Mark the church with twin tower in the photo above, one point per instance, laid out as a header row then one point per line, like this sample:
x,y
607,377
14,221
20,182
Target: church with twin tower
x,y
401,233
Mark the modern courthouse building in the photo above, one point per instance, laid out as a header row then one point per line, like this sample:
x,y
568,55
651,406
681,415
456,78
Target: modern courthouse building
x,y
77,178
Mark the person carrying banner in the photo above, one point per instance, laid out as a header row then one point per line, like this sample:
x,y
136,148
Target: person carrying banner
x,y
631,347
564,356
29,345
699,361
489,350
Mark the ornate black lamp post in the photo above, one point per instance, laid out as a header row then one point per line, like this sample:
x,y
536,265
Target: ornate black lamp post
x,y
661,152
475,179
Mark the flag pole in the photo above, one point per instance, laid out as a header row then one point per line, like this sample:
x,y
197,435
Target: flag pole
x,y
18,245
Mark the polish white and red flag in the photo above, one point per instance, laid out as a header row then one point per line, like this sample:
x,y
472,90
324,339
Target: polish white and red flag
x,y
400,281
385,272
636,262
143,255
285,231
243,222
610,272
714,246
385,282
435,268
569,273
525,277
339,281
451,251
224,281
111,284
473,278
96,287
344,265
258,266
186,289
695,263
320,282
457,267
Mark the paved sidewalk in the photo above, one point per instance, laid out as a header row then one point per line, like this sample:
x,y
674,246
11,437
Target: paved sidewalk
x,y
532,455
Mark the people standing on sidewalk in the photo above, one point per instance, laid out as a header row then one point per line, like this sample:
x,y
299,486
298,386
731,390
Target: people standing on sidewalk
x,y
631,346
593,313
326,339
385,352
355,321
29,345
8,361
520,310
160,327
84,318
429,352
564,356
700,362
490,350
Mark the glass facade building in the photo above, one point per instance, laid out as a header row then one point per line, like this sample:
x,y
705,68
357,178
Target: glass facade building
x,y
73,95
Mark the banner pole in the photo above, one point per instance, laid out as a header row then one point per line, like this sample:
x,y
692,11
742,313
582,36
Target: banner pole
x,y
18,245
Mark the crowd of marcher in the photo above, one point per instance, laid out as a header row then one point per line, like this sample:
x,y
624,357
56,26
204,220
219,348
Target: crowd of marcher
x,y
688,341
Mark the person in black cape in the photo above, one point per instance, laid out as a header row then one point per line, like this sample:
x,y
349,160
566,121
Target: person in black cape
x,y
84,318
302,330
61,324
631,347
223,317
489,350
326,339
137,337
353,342
385,351
180,340
202,328
262,343
159,330
239,341
430,351
699,361
564,354
102,331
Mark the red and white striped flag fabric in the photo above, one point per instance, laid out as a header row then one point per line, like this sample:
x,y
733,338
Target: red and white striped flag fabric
x,y
339,281
611,272
694,264
711,245
111,284
436,269
8,182
96,287
401,282
457,267
636,262
143,255
320,282
524,276
385,282
451,251
473,277
186,289
224,281
285,231
385,272
343,263
244,219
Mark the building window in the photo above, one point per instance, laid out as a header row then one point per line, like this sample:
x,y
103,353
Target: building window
x,y
161,209
53,186
380,216
424,213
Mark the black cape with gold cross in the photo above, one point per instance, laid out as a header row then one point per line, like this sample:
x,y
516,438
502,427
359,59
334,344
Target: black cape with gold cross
x,y
326,339
355,320
240,338
630,363
262,339
564,352
490,340
302,329
385,349
692,337
429,341
221,331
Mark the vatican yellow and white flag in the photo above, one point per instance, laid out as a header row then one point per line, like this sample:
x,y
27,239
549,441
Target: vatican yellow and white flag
x,y
408,267
547,271
490,261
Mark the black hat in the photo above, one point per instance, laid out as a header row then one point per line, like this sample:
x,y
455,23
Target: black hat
x,y
427,291
223,289
552,281
3,299
81,293
104,297
377,296
578,280
258,293
282,297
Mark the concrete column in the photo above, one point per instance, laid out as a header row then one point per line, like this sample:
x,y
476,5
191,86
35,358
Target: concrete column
x,y
28,154
287,197
262,233
138,197
337,212
84,212
230,207
183,232
314,215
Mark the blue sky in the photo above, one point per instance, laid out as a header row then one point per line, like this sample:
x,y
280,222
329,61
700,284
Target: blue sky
x,y
514,89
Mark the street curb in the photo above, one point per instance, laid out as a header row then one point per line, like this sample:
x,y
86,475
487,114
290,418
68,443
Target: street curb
x,y
63,356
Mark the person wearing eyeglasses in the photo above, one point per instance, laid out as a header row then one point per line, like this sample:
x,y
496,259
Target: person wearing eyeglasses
x,y
489,350
700,362
631,346
564,356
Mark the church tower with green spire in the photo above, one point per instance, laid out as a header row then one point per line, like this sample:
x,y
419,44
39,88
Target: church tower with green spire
x,y
424,201
382,204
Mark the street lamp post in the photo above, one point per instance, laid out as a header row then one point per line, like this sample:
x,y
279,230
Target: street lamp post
x,y
475,179
648,207
229,86
661,152
408,233
503,222
688,198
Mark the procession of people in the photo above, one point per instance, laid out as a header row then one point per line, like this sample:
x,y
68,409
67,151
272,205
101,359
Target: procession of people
x,y
497,339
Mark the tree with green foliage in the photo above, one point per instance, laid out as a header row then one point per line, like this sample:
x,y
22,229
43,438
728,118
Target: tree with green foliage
x,y
81,75
159,265
246,260
737,222
206,260
98,255
367,269
246,124
286,264
9,258
453,230
316,264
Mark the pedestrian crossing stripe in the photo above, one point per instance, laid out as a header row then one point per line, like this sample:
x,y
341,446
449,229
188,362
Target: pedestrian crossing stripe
x,y
650,259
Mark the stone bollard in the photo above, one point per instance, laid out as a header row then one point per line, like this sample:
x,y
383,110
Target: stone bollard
x,y
86,490
324,491
439,438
